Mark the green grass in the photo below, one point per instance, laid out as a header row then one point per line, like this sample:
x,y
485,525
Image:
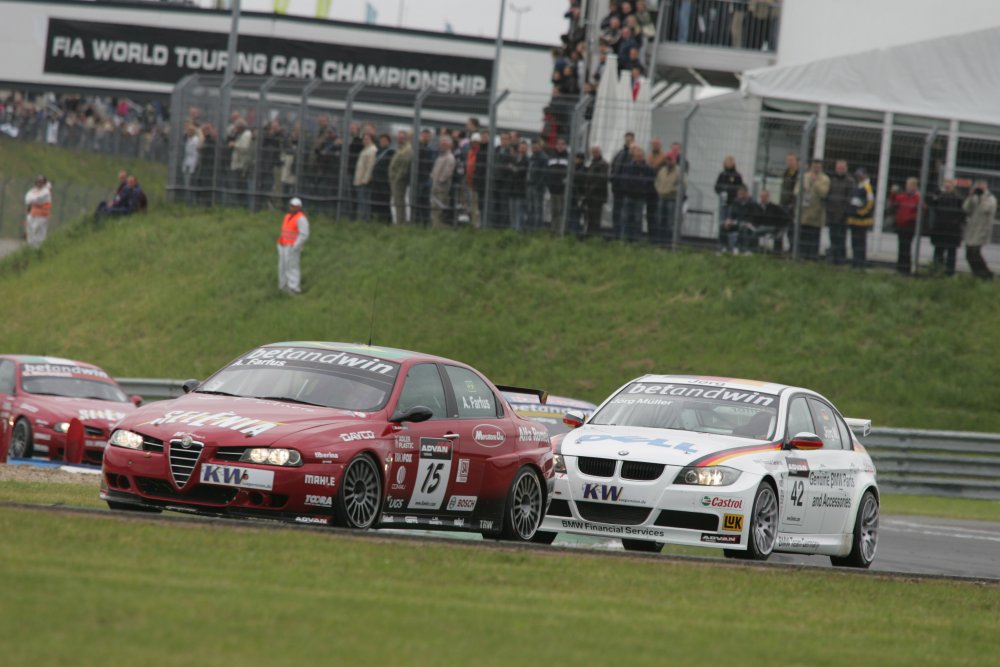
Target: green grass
x,y
180,292
943,508
142,593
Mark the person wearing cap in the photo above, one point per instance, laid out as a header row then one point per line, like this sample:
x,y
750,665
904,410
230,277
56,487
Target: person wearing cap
x,y
861,217
38,202
294,234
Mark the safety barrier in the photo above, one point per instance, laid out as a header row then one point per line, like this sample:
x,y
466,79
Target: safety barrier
x,y
932,463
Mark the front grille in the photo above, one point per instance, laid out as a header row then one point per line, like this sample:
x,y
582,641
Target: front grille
x,y
229,453
183,460
151,444
559,508
611,513
93,431
640,471
201,493
689,520
596,467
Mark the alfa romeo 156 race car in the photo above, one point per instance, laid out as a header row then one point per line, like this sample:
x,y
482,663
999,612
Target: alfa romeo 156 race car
x,y
749,467
352,435
43,400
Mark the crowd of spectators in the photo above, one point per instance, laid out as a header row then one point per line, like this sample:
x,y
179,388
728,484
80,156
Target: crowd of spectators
x,y
738,24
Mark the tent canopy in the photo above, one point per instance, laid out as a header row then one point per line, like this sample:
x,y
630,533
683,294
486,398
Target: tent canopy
x,y
955,77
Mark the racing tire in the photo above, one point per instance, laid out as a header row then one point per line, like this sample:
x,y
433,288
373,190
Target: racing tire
x,y
763,533
524,510
865,541
21,446
129,507
543,537
359,500
644,546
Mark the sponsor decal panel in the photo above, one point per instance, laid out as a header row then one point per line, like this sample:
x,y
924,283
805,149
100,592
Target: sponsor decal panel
x,y
333,456
686,447
488,435
323,520
794,542
228,420
62,370
403,457
404,442
108,415
400,482
831,479
462,476
433,473
573,524
798,468
462,503
712,538
733,522
605,492
357,435
531,434
824,500
244,478
298,357
320,480
715,394
726,503
319,501
485,525
394,503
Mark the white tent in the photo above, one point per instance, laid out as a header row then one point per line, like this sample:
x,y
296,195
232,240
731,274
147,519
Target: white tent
x,y
615,112
954,78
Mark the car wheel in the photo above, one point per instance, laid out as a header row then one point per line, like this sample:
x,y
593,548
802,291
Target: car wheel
x,y
523,514
20,441
129,507
543,537
865,541
360,495
643,545
763,526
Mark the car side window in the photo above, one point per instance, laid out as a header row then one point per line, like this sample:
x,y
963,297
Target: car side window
x,y
799,418
826,422
474,398
423,387
6,377
845,433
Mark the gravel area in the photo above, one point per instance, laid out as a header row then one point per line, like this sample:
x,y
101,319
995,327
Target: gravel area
x,y
27,473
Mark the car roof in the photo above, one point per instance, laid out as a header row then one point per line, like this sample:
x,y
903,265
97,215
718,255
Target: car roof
x,y
40,359
716,381
390,353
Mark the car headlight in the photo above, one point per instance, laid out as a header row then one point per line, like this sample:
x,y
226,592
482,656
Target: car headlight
x,y
126,439
558,464
61,427
274,457
708,476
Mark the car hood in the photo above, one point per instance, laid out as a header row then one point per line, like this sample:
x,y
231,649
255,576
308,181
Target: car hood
x,y
657,445
87,410
231,420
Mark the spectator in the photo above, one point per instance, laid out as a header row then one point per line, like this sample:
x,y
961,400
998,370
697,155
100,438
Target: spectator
x,y
838,204
682,21
946,229
538,164
381,188
771,219
479,177
861,217
517,169
555,179
192,150
738,233
647,27
38,202
907,207
737,21
668,179
618,164
241,158
816,187
425,163
137,202
205,169
595,193
399,174
639,179
294,234
440,181
471,165
327,154
355,144
611,35
289,154
789,184
363,177
574,221
981,207
625,45
657,156
270,157
501,182
727,185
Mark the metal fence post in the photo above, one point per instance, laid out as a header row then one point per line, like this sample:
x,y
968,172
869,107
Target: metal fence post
x,y
259,144
682,164
803,156
175,157
925,168
574,130
220,136
491,159
418,107
346,136
300,150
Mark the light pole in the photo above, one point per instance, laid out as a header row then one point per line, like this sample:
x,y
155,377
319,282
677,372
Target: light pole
x,y
517,24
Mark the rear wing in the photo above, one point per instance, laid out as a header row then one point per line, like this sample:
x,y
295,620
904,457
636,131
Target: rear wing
x,y
542,395
861,427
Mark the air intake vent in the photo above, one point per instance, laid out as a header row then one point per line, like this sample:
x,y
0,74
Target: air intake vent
x,y
596,467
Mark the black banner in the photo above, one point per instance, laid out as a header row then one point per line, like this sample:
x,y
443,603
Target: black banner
x,y
143,53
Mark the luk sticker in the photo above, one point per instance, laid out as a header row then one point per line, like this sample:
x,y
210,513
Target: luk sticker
x,y
433,472
488,435
733,522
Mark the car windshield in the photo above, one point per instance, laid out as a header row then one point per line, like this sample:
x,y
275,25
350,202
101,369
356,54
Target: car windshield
x,y
72,387
702,409
325,377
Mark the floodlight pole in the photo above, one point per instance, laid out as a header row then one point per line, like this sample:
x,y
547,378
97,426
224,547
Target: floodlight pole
x,y
345,145
495,101
925,168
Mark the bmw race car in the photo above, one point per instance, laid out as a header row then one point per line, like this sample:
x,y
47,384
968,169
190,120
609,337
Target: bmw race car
x,y
352,435
749,467
47,401
550,413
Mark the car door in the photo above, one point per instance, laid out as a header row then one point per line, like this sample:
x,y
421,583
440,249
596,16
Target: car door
x,y
7,382
834,482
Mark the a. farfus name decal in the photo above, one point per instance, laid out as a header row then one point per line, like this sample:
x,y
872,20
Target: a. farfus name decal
x,y
230,420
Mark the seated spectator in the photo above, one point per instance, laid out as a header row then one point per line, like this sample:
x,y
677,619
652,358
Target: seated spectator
x,y
116,198
772,220
738,233
128,200
612,35
647,27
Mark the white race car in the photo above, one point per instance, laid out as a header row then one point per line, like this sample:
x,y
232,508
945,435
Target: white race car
x,y
749,467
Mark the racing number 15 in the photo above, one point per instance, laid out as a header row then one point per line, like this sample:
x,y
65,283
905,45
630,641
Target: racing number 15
x,y
798,491
432,478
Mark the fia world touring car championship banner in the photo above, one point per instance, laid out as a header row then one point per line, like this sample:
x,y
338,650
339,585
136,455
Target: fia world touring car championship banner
x,y
166,55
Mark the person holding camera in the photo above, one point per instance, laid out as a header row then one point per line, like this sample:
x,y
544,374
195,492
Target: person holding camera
x,y
980,207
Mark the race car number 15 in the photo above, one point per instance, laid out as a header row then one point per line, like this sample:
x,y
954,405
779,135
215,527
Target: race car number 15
x,y
433,471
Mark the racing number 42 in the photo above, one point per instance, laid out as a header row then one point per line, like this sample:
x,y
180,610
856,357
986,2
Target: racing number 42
x,y
433,478
798,492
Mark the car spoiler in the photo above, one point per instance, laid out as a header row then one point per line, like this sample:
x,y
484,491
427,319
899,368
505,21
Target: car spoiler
x,y
861,427
542,395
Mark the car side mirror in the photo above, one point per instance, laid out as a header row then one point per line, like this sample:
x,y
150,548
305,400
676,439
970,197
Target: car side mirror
x,y
136,400
418,413
806,441
574,419
189,385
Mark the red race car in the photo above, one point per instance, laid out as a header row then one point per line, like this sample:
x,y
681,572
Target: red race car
x,y
352,435
48,402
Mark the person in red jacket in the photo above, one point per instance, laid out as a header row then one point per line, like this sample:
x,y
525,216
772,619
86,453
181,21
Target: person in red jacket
x,y
907,205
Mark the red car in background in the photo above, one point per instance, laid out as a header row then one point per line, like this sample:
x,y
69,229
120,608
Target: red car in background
x,y
47,401
352,435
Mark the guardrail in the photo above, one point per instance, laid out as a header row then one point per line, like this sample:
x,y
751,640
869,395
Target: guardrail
x,y
936,463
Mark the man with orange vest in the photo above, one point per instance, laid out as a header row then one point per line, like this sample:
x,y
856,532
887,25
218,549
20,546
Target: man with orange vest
x,y
294,233
38,202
